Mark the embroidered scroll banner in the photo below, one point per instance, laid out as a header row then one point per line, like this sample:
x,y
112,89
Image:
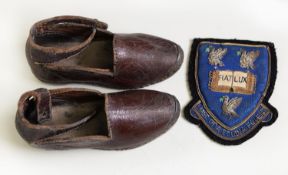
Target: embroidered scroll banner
x,y
232,81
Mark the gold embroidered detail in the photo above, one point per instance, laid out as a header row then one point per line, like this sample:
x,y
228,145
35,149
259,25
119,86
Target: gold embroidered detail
x,y
216,55
247,58
229,105
232,81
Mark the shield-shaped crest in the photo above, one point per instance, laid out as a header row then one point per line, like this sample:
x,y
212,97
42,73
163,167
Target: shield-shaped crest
x,y
231,82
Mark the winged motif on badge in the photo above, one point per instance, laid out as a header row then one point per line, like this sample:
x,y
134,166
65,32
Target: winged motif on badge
x,y
231,82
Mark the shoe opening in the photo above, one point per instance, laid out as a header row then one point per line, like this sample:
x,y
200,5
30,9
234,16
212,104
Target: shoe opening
x,y
71,108
99,54
30,110
65,35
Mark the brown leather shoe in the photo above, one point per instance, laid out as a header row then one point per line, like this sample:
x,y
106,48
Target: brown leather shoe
x,y
70,49
82,118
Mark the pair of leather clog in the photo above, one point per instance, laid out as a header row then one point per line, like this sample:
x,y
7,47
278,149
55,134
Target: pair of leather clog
x,y
71,49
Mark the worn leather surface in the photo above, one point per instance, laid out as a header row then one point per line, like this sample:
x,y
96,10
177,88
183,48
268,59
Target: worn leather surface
x,y
130,118
137,59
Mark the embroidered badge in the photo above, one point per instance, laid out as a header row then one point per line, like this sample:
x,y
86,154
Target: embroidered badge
x,y
231,82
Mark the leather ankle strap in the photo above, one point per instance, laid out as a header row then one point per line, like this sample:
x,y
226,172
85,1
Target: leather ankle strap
x,y
43,105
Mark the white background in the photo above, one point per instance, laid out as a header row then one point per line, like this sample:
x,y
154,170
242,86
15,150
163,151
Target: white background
x,y
184,149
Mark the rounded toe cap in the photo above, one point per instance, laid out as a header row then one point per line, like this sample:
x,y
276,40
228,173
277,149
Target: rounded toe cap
x,y
143,59
144,115
180,56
